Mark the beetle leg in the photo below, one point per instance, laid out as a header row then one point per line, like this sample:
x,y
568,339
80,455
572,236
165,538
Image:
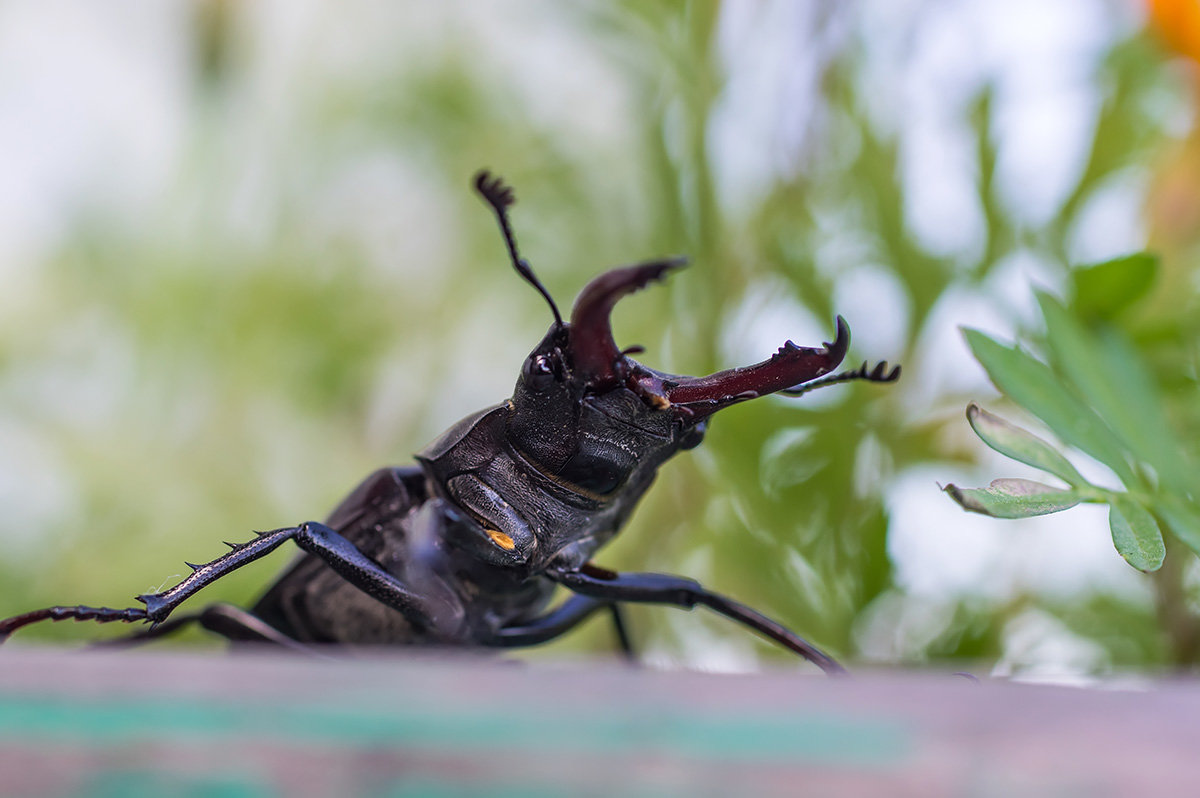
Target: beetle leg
x,y
597,583
238,625
340,554
226,620
624,643
78,613
545,628
559,621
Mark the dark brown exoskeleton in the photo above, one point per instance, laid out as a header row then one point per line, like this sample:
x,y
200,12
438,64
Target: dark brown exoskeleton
x,y
467,546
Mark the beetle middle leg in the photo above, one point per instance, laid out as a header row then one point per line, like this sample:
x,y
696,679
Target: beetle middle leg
x,y
609,586
621,629
572,612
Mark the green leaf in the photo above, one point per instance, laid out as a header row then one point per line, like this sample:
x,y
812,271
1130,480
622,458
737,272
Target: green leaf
x,y
1034,386
1103,290
1109,375
1014,498
1181,518
1135,533
1019,444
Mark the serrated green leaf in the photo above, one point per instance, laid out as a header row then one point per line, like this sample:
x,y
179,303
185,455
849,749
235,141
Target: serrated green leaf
x,y
1109,376
1034,386
1014,498
1022,445
1103,290
1135,533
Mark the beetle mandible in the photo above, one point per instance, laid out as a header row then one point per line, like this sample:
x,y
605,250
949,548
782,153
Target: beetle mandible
x,y
467,546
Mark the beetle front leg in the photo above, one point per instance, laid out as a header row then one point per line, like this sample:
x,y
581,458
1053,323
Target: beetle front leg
x,y
78,612
325,542
598,583
340,554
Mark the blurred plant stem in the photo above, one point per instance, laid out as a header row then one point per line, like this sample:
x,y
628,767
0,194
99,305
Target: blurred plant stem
x,y
1174,605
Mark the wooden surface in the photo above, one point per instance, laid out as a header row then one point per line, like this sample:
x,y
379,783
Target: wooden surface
x,y
167,724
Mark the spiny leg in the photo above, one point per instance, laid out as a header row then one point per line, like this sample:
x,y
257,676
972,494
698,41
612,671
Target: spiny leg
x,y
598,583
340,554
159,605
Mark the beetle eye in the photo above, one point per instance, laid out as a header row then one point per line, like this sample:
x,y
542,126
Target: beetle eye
x,y
538,372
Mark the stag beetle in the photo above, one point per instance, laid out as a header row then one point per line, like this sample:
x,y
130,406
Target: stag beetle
x,y
467,546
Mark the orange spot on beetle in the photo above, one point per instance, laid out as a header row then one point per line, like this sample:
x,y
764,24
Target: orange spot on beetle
x,y
502,540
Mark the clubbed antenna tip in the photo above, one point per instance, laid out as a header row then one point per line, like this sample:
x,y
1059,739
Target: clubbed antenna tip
x,y
501,198
493,189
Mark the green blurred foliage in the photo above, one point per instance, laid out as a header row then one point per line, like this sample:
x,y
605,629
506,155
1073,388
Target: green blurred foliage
x,y
1097,394
318,293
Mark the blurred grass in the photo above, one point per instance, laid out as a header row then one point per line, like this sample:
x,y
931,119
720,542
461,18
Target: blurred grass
x,y
316,293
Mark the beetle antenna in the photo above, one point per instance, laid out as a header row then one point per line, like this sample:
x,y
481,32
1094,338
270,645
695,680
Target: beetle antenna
x,y
878,374
501,197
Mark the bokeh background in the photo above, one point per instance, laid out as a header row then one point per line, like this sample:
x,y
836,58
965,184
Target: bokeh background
x,y
241,267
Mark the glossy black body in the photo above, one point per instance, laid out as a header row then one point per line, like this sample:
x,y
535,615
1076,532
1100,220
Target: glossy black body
x,y
466,547
482,475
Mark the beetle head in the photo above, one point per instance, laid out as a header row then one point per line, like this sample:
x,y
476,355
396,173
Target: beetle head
x,y
592,421
587,413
